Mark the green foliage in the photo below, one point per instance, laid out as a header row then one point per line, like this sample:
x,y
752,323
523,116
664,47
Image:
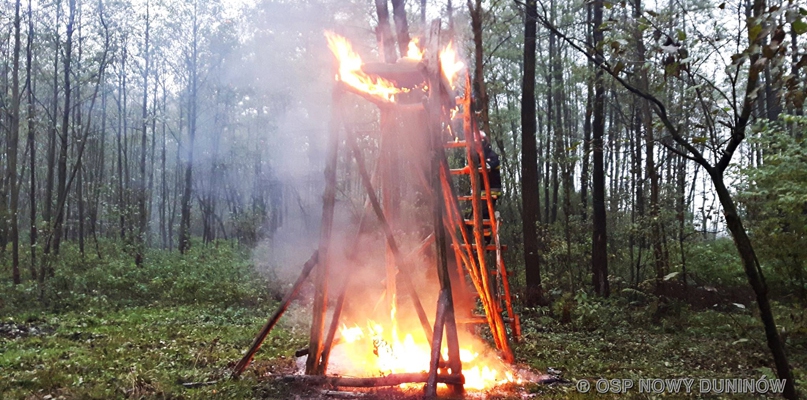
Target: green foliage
x,y
775,199
217,274
715,262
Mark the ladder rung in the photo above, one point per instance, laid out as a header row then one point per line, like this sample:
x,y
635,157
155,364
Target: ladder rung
x,y
463,171
455,144
469,198
471,222
489,247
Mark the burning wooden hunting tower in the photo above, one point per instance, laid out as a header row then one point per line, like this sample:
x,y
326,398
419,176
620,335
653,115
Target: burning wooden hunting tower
x,y
416,97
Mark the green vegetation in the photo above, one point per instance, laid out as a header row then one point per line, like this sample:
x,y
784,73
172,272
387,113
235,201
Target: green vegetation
x,y
775,195
615,340
108,330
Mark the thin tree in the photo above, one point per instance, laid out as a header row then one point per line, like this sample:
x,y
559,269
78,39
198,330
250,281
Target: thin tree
x,y
185,219
384,35
31,143
61,184
11,148
530,194
599,242
480,89
141,184
584,173
401,26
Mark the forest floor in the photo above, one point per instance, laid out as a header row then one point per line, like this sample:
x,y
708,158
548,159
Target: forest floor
x,y
148,349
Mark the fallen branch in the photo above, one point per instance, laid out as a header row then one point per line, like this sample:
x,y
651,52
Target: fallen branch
x,y
194,385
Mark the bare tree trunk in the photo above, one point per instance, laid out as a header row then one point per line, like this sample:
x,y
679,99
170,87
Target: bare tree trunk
x,y
384,35
423,12
554,80
80,201
150,186
680,211
121,133
482,101
401,25
794,71
530,192
140,241
76,131
586,127
31,143
599,254
449,12
163,182
185,219
97,188
62,167
12,147
48,216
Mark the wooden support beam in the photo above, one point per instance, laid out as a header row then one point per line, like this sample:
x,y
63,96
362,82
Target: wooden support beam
x,y
332,327
256,344
405,278
445,304
437,344
515,324
312,365
391,202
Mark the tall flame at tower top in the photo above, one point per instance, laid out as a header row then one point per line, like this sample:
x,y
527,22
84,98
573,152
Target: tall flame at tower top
x,y
450,63
351,74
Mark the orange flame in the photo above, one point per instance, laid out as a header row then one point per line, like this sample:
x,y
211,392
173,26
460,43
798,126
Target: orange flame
x,y
376,351
351,74
450,63
414,51
351,335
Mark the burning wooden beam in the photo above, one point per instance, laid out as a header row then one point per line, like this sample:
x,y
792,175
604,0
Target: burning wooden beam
x,y
378,381
383,103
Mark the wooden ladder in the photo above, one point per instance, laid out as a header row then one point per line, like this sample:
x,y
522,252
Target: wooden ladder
x,y
489,279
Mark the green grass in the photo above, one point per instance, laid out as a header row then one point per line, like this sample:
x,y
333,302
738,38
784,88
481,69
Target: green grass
x,y
140,351
105,329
